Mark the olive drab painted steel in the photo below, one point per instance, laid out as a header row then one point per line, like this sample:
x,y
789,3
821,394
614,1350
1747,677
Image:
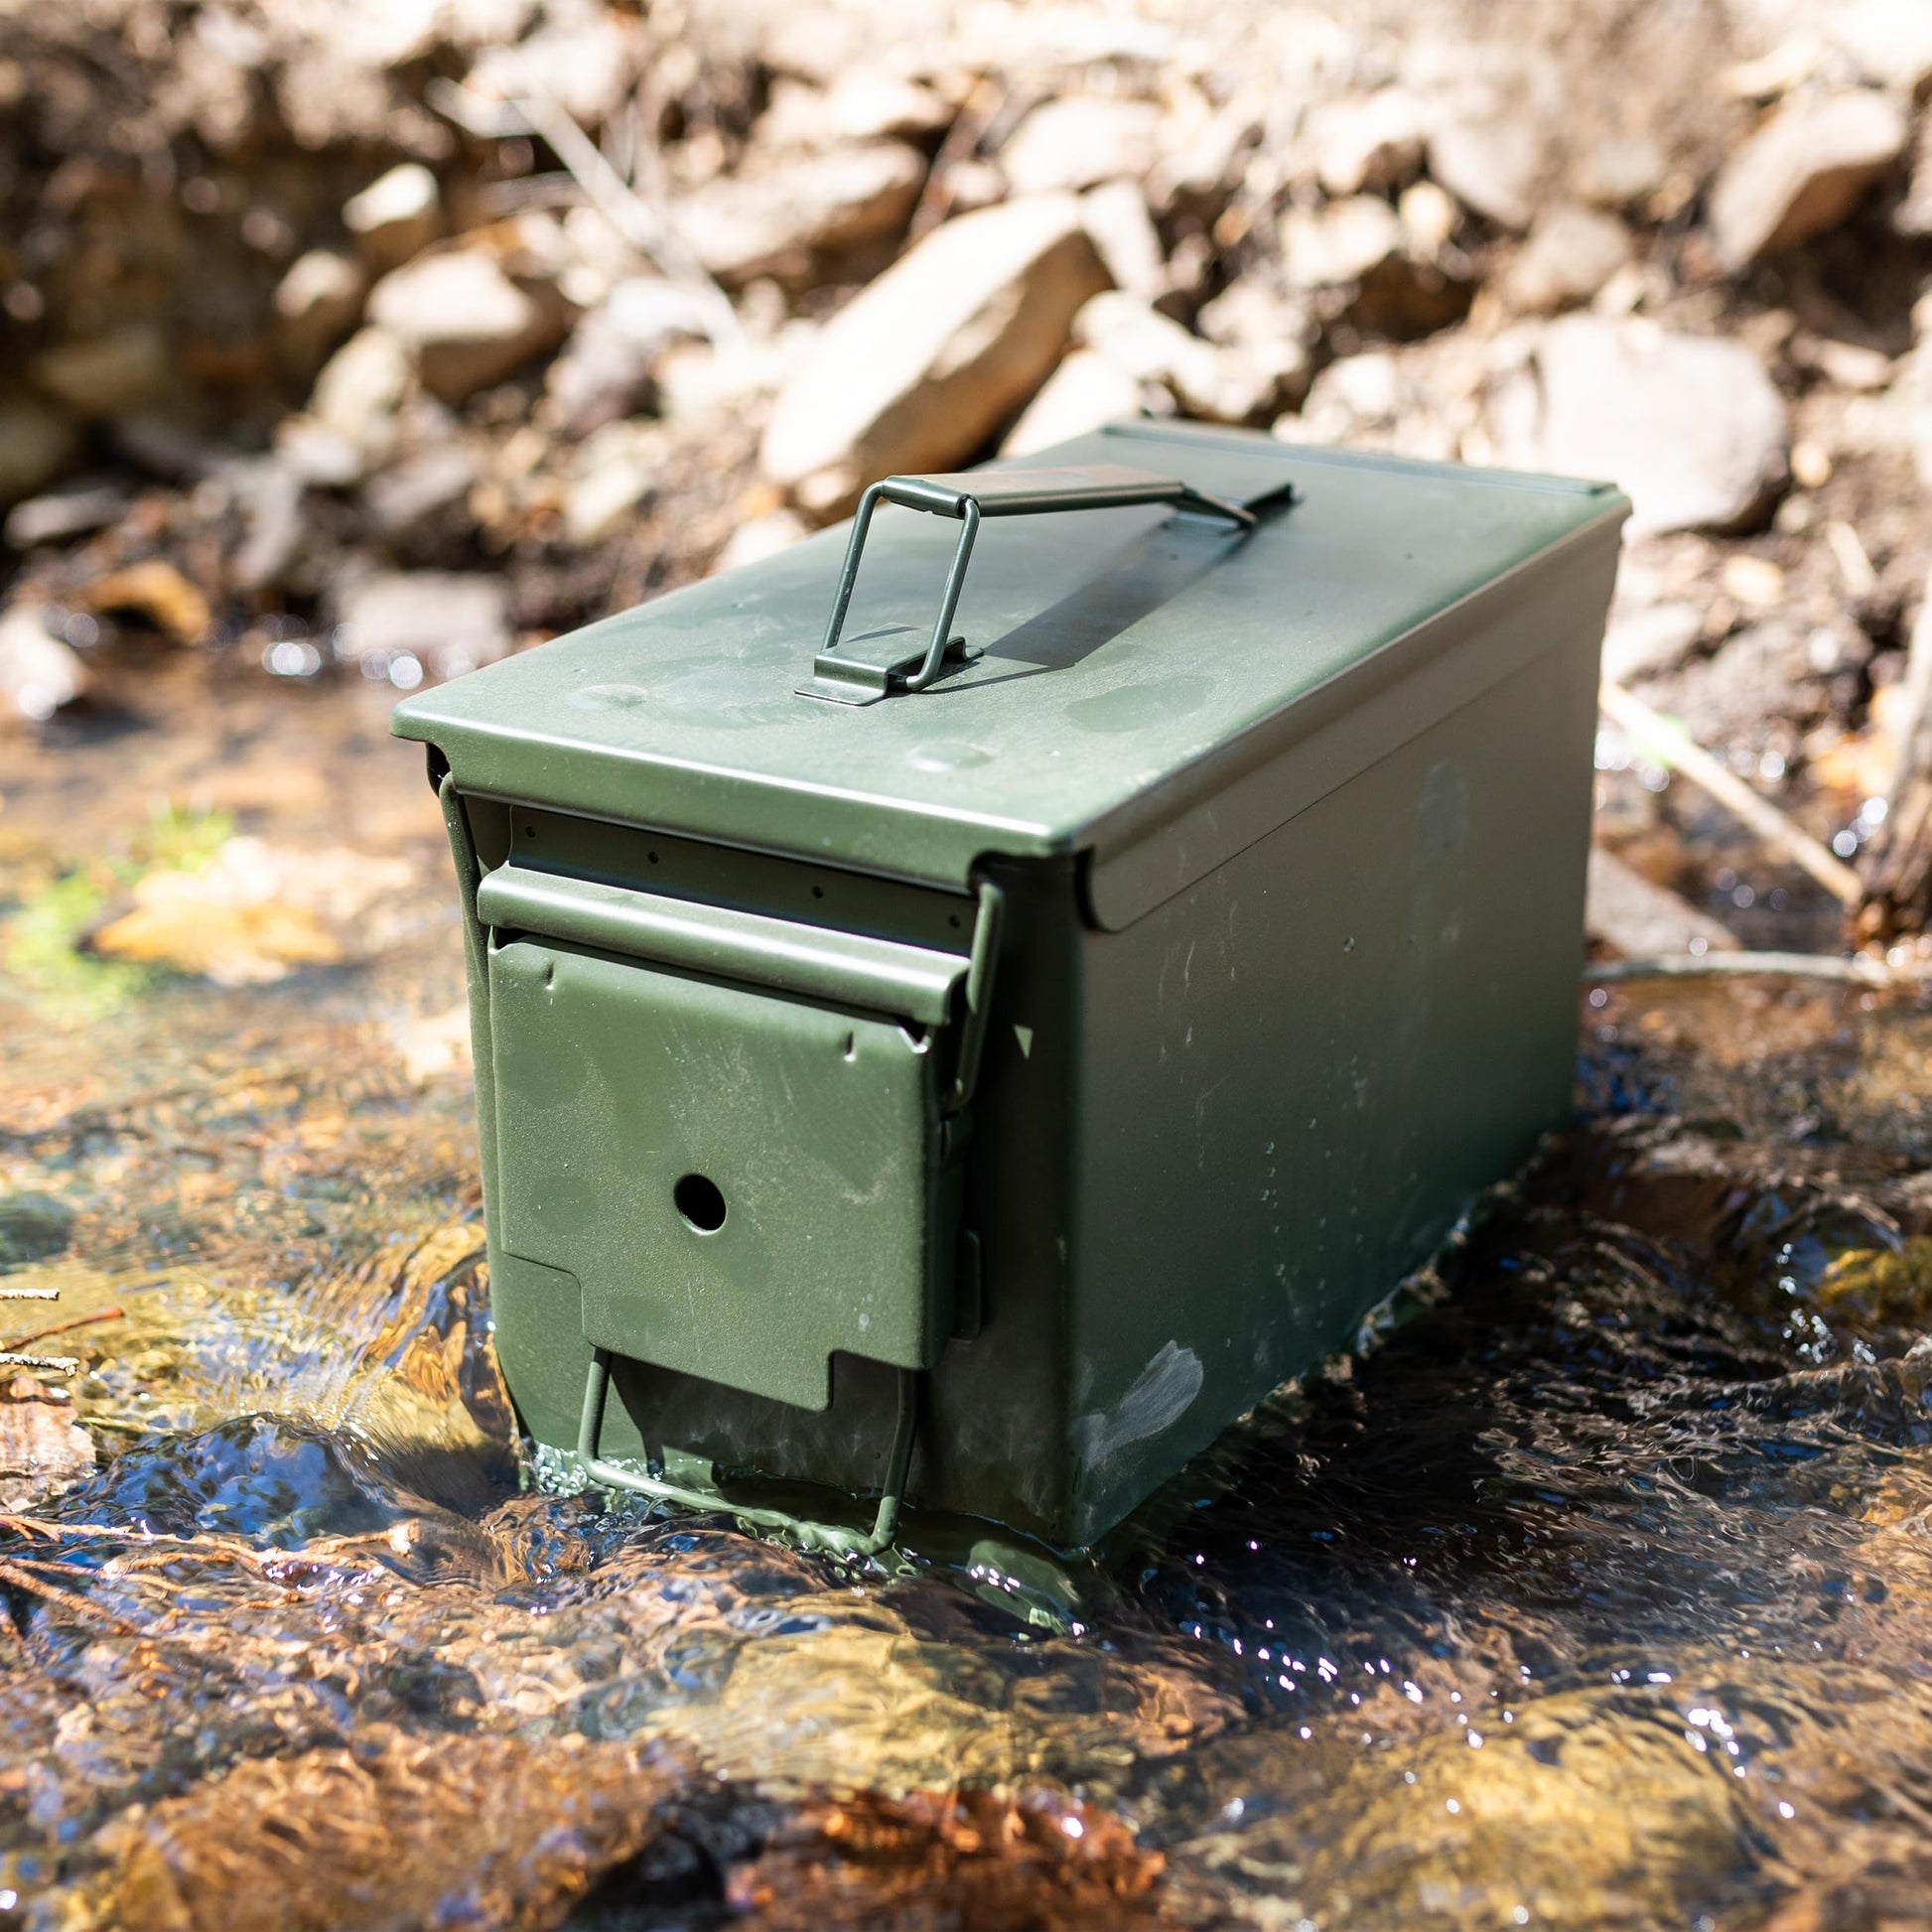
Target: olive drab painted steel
x,y
981,1057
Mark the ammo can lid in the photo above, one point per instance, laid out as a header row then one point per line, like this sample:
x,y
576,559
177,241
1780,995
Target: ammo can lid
x,y
1129,661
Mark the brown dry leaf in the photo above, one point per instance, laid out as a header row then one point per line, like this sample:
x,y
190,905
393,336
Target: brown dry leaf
x,y
253,915
156,591
41,1444
984,1858
397,1833
176,924
1858,765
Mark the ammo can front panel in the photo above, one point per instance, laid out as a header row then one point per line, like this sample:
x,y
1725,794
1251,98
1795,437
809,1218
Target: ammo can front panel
x,y
706,1159
715,1101
995,1434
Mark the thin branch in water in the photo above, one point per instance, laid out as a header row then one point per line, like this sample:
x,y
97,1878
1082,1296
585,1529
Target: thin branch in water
x,y
203,1543
12,1573
1671,744
59,1566
62,1327
30,1293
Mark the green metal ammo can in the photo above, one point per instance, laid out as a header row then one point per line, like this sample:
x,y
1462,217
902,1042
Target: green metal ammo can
x,y
977,1061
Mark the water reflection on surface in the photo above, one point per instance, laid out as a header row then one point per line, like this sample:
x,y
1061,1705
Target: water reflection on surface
x,y
1599,1593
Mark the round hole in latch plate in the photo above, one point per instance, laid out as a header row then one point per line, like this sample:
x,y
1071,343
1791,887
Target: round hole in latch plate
x,y
699,1199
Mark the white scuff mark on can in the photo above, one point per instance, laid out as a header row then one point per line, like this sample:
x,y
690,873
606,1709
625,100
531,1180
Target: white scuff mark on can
x,y
1161,1394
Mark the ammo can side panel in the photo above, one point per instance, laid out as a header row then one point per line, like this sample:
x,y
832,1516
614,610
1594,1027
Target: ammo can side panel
x,y
1298,1073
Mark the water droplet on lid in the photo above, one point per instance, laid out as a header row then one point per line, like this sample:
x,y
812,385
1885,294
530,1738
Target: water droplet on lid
x,y
947,754
609,697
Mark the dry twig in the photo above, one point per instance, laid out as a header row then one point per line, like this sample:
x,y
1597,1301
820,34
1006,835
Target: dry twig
x,y
981,109
1674,747
1857,969
648,230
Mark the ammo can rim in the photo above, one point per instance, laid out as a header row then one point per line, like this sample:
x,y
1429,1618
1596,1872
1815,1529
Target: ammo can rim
x,y
1177,686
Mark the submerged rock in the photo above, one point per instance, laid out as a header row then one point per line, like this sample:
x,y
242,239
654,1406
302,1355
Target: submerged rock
x,y
397,1831
42,1445
32,1227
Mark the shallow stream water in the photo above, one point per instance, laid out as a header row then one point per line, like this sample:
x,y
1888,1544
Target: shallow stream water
x,y
1596,1593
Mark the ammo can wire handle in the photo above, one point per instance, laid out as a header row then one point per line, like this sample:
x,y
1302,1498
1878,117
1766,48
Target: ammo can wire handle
x,y
967,498
829,1536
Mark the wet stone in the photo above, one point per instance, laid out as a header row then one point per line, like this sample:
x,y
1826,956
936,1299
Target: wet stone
x,y
32,1227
